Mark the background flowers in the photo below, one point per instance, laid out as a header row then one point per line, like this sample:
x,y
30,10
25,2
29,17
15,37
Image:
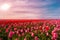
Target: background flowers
x,y
29,30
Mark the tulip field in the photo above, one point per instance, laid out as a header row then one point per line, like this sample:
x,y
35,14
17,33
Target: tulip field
x,y
29,29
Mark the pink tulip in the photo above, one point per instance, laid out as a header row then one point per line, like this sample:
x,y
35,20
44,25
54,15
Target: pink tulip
x,y
54,36
0,38
32,34
3,25
47,34
36,27
36,38
22,34
7,30
17,32
16,39
26,31
25,39
15,29
11,33
19,35
21,30
9,26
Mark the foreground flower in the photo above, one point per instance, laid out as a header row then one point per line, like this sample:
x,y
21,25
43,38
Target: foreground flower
x,y
15,29
36,38
47,34
7,30
19,35
40,28
21,30
0,38
47,28
25,39
11,33
16,39
0,31
23,34
32,34
26,31
54,36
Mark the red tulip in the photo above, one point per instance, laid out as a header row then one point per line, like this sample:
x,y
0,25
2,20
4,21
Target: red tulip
x,y
40,28
47,28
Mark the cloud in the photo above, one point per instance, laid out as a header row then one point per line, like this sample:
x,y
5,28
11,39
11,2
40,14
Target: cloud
x,y
28,9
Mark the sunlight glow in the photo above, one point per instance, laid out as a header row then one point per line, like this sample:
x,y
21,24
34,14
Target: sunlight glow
x,y
5,6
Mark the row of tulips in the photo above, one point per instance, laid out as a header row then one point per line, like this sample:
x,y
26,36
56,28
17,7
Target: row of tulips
x,y
29,31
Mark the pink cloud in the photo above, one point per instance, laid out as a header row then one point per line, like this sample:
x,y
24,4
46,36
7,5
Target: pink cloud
x,y
24,9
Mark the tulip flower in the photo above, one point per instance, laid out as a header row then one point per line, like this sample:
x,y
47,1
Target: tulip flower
x,y
33,30
7,30
47,28
0,31
47,34
15,29
36,38
32,34
0,38
54,35
21,30
11,33
25,39
16,39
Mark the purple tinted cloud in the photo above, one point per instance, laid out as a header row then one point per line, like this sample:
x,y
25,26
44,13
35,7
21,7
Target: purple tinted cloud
x,y
29,9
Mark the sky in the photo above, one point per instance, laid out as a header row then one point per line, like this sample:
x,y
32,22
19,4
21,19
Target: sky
x,y
30,9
